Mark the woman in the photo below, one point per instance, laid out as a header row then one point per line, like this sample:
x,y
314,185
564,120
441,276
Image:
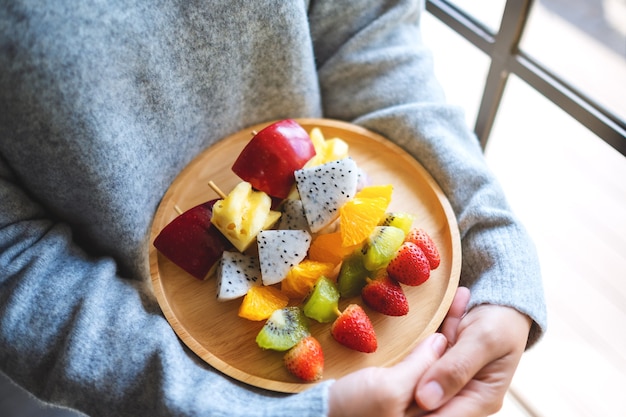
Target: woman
x,y
103,103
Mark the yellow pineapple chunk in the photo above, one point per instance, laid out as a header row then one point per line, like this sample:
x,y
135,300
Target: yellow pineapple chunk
x,y
326,150
242,214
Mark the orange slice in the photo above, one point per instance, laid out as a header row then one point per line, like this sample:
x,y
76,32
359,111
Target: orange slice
x,y
260,302
303,276
359,216
328,247
376,191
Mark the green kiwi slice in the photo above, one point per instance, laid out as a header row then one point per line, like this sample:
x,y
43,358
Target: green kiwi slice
x,y
322,303
352,274
381,246
283,329
398,219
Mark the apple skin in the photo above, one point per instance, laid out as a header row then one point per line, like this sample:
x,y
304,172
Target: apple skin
x,y
192,242
272,155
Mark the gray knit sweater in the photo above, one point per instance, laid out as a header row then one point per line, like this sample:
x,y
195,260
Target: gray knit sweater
x,y
103,102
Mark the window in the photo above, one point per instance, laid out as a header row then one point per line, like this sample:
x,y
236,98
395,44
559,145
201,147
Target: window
x,y
553,148
527,46
586,46
488,16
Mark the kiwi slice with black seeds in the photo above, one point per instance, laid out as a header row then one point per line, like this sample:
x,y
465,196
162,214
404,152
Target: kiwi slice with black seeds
x,y
283,329
323,302
352,275
398,219
381,246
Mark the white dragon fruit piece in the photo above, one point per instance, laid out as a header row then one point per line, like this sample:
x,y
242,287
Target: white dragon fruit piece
x,y
236,274
325,188
279,251
363,180
293,217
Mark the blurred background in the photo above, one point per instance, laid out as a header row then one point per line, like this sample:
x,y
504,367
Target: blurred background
x,y
569,187
565,179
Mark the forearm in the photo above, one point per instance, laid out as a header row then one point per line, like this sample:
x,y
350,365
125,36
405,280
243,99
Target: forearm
x,y
74,332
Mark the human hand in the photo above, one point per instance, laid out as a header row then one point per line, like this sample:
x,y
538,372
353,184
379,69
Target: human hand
x,y
390,392
472,377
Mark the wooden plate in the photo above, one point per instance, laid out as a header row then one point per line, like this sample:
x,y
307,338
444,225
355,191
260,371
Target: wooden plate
x,y
214,331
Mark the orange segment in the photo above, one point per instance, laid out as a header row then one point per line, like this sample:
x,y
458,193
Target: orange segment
x,y
303,276
328,248
359,216
260,302
370,191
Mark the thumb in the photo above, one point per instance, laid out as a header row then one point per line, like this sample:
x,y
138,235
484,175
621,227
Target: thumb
x,y
446,377
457,310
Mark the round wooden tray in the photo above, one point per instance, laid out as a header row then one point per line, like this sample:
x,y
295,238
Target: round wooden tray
x,y
216,334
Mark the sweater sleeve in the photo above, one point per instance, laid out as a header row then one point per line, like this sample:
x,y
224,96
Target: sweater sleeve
x,y
378,73
76,333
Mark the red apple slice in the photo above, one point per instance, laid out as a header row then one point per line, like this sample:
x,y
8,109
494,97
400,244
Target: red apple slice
x,y
269,160
192,242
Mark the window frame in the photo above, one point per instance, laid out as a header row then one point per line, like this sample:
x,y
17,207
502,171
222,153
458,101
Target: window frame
x,y
506,58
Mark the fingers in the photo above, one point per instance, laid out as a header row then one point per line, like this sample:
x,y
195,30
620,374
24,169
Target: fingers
x,y
415,364
388,391
423,356
448,330
450,374
481,364
474,402
455,314
415,411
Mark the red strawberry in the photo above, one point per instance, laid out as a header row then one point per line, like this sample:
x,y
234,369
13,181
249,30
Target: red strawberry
x,y
422,239
354,330
386,296
306,359
409,265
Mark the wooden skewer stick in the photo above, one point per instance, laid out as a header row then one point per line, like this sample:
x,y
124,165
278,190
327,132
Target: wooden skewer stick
x,y
178,210
217,189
